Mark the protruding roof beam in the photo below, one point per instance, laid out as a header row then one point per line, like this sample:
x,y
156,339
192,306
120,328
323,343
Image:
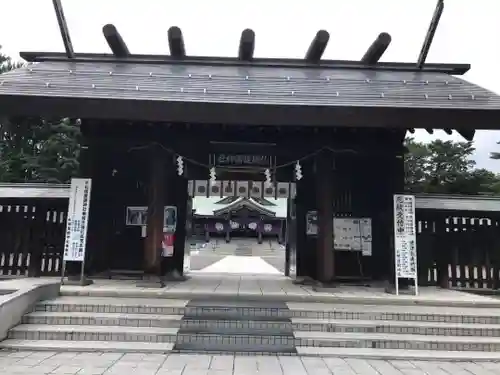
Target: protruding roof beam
x,y
430,131
377,49
317,47
63,29
176,42
247,45
448,131
412,130
467,134
430,34
115,41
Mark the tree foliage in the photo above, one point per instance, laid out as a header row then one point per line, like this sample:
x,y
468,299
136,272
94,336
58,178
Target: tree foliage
x,y
37,150
446,167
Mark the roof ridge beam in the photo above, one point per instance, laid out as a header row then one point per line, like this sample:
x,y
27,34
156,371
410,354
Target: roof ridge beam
x,y
115,41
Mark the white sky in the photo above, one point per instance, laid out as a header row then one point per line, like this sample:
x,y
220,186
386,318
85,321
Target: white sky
x,y
468,32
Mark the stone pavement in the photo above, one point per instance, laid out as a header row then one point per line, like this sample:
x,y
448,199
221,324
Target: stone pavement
x,y
31,363
275,287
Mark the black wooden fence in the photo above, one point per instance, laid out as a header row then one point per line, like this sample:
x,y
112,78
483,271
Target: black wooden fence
x,y
458,249
455,249
32,236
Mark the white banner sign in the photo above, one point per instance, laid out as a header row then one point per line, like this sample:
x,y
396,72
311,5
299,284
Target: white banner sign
x,y
405,239
77,220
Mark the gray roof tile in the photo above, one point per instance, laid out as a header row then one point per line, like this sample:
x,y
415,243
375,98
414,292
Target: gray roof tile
x,y
247,85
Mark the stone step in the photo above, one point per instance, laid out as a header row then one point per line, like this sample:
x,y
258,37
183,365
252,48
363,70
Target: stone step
x,y
241,349
394,313
236,310
226,330
398,354
234,343
113,305
397,341
102,319
241,325
208,340
92,333
396,327
86,346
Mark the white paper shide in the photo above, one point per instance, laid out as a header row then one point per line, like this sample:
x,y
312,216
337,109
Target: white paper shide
x,y
405,239
77,221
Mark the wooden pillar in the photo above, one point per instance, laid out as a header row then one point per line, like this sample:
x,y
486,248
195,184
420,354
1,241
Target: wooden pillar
x,y
306,257
181,202
154,231
324,203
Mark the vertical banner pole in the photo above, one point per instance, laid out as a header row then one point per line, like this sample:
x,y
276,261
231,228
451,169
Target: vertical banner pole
x,y
63,271
82,272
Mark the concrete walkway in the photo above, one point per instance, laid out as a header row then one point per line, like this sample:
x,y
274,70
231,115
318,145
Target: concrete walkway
x,y
277,288
28,363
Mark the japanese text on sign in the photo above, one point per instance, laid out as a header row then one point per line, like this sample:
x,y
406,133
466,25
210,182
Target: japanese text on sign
x,y
405,237
77,220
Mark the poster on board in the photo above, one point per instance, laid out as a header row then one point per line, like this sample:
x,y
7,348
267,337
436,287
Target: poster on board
x,y
77,220
167,245
350,233
138,215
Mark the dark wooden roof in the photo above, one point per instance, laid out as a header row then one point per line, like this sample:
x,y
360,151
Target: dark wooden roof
x,y
254,93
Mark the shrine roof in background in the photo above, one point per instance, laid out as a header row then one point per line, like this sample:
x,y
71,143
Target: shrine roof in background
x,y
260,92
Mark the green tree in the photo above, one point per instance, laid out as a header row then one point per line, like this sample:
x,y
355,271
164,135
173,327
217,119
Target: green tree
x,y
446,167
7,64
416,165
37,150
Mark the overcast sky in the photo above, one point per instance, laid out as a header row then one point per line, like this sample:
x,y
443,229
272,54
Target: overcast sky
x,y
469,32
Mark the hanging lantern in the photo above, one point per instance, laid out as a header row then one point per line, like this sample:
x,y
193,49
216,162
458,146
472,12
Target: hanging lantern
x,y
180,165
298,171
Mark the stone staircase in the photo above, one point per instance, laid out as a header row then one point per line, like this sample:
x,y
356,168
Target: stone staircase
x,y
100,323
232,326
259,327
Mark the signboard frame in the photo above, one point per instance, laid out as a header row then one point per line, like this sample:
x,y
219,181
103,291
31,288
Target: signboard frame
x,y
77,221
359,229
405,240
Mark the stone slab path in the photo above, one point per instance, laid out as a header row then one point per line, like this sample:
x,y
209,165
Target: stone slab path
x,y
31,363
